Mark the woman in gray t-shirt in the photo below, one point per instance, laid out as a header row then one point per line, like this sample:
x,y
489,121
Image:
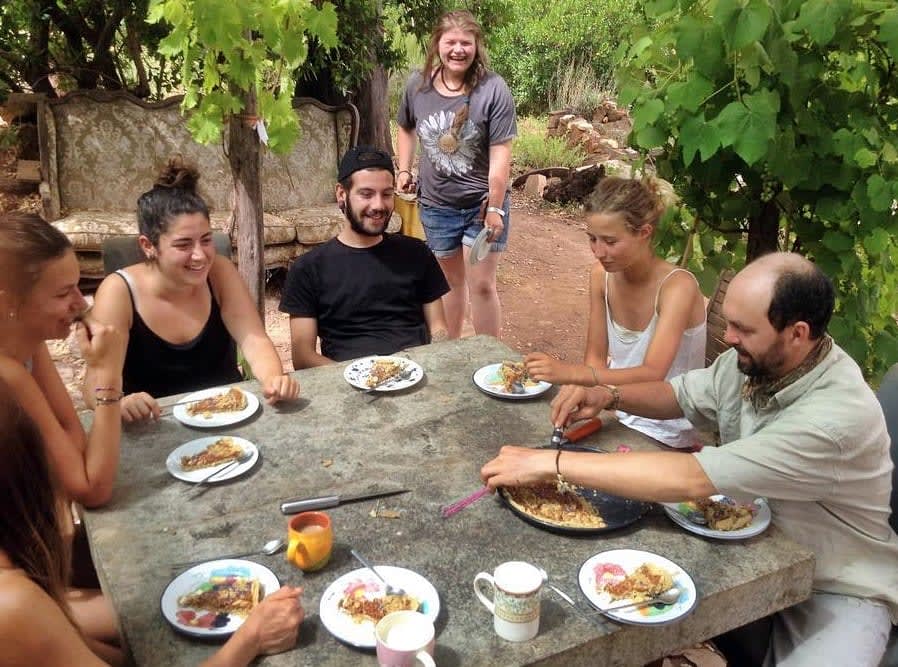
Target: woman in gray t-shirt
x,y
463,114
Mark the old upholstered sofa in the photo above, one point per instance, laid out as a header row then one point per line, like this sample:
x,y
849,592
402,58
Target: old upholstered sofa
x,y
101,150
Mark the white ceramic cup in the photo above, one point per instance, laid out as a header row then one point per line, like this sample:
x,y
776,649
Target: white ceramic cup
x,y
516,588
404,637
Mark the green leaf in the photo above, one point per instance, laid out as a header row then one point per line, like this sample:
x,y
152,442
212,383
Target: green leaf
x,y
865,158
655,8
888,31
696,135
878,241
837,241
748,126
651,137
701,43
690,94
847,143
879,190
742,22
648,112
322,23
821,18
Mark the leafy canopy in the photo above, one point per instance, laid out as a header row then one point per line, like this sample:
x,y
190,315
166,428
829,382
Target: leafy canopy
x,y
223,60
782,107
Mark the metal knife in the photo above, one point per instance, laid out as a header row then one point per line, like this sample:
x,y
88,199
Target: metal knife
x,y
324,502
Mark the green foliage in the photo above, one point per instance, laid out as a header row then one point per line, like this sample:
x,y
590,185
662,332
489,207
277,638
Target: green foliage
x,y
542,36
782,110
577,87
223,60
532,149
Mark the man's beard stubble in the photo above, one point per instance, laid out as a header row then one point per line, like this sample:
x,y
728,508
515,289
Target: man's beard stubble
x,y
358,227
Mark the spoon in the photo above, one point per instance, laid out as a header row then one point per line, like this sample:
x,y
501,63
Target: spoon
x,y
268,549
391,590
669,596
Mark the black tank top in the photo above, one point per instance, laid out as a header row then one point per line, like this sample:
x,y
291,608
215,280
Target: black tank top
x,y
161,368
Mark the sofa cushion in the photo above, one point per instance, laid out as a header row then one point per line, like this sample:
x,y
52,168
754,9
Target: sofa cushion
x,y
88,229
277,230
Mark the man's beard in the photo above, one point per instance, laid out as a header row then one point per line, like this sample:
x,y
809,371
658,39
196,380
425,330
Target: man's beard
x,y
767,365
359,228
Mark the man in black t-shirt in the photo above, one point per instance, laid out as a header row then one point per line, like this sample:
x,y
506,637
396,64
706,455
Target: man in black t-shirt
x,y
365,291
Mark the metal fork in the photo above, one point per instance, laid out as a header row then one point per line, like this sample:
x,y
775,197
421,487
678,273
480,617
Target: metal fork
x,y
243,458
404,374
391,590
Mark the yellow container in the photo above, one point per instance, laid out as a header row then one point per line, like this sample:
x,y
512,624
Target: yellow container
x,y
407,208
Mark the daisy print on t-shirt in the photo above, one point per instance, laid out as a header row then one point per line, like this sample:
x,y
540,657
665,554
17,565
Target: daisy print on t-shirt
x,y
450,141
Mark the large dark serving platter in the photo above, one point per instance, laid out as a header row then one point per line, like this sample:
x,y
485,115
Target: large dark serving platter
x,y
617,512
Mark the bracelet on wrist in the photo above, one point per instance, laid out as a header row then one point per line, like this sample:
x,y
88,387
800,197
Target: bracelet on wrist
x,y
615,396
117,394
103,400
595,376
561,484
495,209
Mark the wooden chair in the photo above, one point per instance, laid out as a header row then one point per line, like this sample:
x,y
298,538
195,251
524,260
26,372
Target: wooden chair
x,y
715,344
121,251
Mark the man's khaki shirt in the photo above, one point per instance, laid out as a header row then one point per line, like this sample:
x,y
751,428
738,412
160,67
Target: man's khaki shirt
x,y
819,452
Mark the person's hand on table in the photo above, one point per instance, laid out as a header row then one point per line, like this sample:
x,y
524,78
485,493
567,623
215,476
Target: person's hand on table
x,y
574,403
274,623
280,388
540,366
518,466
139,407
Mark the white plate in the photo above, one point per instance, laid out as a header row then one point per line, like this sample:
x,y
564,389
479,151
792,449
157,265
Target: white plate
x,y
488,381
188,581
215,419
341,625
357,372
758,524
629,560
173,462
480,248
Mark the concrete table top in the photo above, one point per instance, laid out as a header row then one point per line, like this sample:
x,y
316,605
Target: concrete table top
x,y
433,439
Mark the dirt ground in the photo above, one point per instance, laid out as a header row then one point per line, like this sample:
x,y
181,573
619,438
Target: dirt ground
x,y
542,278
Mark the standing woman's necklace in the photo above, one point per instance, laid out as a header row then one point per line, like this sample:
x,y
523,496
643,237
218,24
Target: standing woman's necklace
x,y
446,85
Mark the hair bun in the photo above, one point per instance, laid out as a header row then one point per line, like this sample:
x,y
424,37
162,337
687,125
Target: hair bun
x,y
178,174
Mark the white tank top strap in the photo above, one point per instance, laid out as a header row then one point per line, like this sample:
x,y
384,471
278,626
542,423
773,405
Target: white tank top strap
x,y
129,282
664,279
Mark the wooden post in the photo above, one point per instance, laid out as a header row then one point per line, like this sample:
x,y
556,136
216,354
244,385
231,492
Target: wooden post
x,y
244,156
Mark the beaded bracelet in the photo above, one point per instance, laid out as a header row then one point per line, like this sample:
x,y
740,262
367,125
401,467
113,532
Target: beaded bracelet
x,y
615,396
107,401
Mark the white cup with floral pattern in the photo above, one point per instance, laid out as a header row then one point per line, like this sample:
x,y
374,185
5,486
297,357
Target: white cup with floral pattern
x,y
516,588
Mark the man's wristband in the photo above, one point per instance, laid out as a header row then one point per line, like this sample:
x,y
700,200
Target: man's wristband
x,y
615,396
495,209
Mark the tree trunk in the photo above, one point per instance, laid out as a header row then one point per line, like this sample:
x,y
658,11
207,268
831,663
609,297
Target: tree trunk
x,y
374,123
245,158
763,232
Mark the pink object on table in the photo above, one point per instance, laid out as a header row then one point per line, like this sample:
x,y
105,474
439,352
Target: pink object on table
x,y
459,505
623,449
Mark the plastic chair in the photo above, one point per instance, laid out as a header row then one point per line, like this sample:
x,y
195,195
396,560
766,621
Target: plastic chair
x,y
121,251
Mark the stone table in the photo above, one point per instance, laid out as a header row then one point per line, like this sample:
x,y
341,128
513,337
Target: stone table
x,y
433,439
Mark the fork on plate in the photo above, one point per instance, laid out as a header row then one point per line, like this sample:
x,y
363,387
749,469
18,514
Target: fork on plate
x,y
243,458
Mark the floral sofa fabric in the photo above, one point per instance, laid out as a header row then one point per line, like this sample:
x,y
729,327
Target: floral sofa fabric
x,y
100,151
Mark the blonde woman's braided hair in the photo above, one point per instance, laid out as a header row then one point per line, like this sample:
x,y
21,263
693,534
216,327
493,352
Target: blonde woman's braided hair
x,y
639,201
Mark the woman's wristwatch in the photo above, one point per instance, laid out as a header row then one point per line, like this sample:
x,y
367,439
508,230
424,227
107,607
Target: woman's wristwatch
x,y
495,209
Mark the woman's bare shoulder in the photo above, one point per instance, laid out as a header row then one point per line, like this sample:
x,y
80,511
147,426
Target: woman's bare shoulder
x,y
22,602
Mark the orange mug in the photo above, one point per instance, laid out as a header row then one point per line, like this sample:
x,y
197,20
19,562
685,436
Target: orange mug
x,y
310,540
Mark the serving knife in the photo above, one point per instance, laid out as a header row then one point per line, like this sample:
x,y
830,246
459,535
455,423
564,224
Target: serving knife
x,y
324,502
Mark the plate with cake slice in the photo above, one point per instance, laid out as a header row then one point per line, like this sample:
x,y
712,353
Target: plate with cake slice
x,y
213,599
215,407
383,373
195,460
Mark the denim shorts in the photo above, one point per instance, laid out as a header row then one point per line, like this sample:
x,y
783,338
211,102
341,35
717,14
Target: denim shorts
x,y
447,229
